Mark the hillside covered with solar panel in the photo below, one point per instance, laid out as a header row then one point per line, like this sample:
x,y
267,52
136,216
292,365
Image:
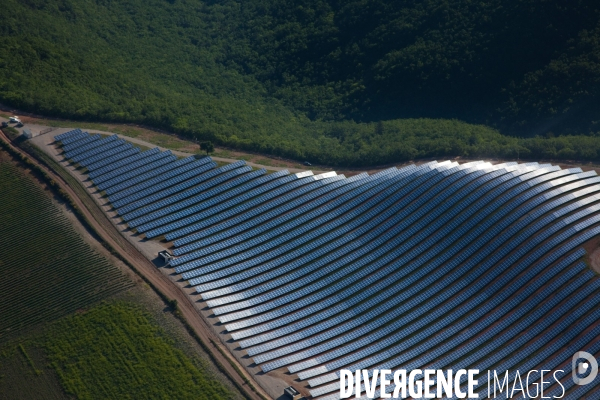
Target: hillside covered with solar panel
x,y
441,265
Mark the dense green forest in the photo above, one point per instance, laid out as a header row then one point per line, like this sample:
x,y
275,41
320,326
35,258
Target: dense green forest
x,y
355,82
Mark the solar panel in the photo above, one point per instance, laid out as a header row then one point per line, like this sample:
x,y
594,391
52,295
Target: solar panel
x,y
440,265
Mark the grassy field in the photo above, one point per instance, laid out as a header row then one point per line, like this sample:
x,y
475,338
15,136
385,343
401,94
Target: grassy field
x,y
115,352
48,269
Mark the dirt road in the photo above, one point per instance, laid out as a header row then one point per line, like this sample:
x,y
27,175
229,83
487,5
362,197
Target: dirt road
x,y
37,128
106,230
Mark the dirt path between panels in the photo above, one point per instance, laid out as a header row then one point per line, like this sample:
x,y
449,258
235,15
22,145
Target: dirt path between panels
x,y
107,231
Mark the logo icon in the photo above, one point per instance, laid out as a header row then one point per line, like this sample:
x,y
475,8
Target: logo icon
x,y
582,367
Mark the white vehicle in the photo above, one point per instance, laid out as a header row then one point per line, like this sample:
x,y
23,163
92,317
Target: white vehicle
x,y
14,119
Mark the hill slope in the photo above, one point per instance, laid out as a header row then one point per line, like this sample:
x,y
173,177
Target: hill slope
x,y
312,79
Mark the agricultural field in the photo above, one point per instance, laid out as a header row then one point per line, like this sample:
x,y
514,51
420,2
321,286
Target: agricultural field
x,y
115,352
48,269
118,349
73,324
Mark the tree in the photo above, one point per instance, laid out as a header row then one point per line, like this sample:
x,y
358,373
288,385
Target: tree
x,y
379,128
207,146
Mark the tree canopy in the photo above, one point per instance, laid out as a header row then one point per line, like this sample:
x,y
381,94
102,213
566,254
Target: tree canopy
x,y
355,82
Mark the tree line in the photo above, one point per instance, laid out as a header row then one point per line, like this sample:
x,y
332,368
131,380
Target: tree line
x,y
358,82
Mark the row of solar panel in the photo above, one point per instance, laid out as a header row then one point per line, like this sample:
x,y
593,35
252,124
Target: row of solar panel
x,y
562,340
330,281
81,144
541,303
89,149
363,228
147,187
502,294
372,218
120,147
215,204
299,186
194,264
507,262
261,204
572,309
149,171
276,227
88,146
469,342
468,299
488,327
148,184
122,178
262,213
331,215
214,178
557,255
507,329
143,182
183,200
196,169
308,203
281,209
147,161
209,184
111,144
119,165
279,236
102,151
594,284
70,136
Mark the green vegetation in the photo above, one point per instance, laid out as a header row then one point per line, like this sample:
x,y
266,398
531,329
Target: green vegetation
x,y
208,147
114,352
357,82
11,132
29,360
48,269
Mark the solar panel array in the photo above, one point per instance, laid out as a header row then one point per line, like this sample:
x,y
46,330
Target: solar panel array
x,y
437,266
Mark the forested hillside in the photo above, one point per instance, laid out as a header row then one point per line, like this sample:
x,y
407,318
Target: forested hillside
x,y
356,82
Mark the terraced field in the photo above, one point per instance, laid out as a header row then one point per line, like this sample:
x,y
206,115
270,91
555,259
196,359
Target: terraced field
x,y
440,265
47,269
